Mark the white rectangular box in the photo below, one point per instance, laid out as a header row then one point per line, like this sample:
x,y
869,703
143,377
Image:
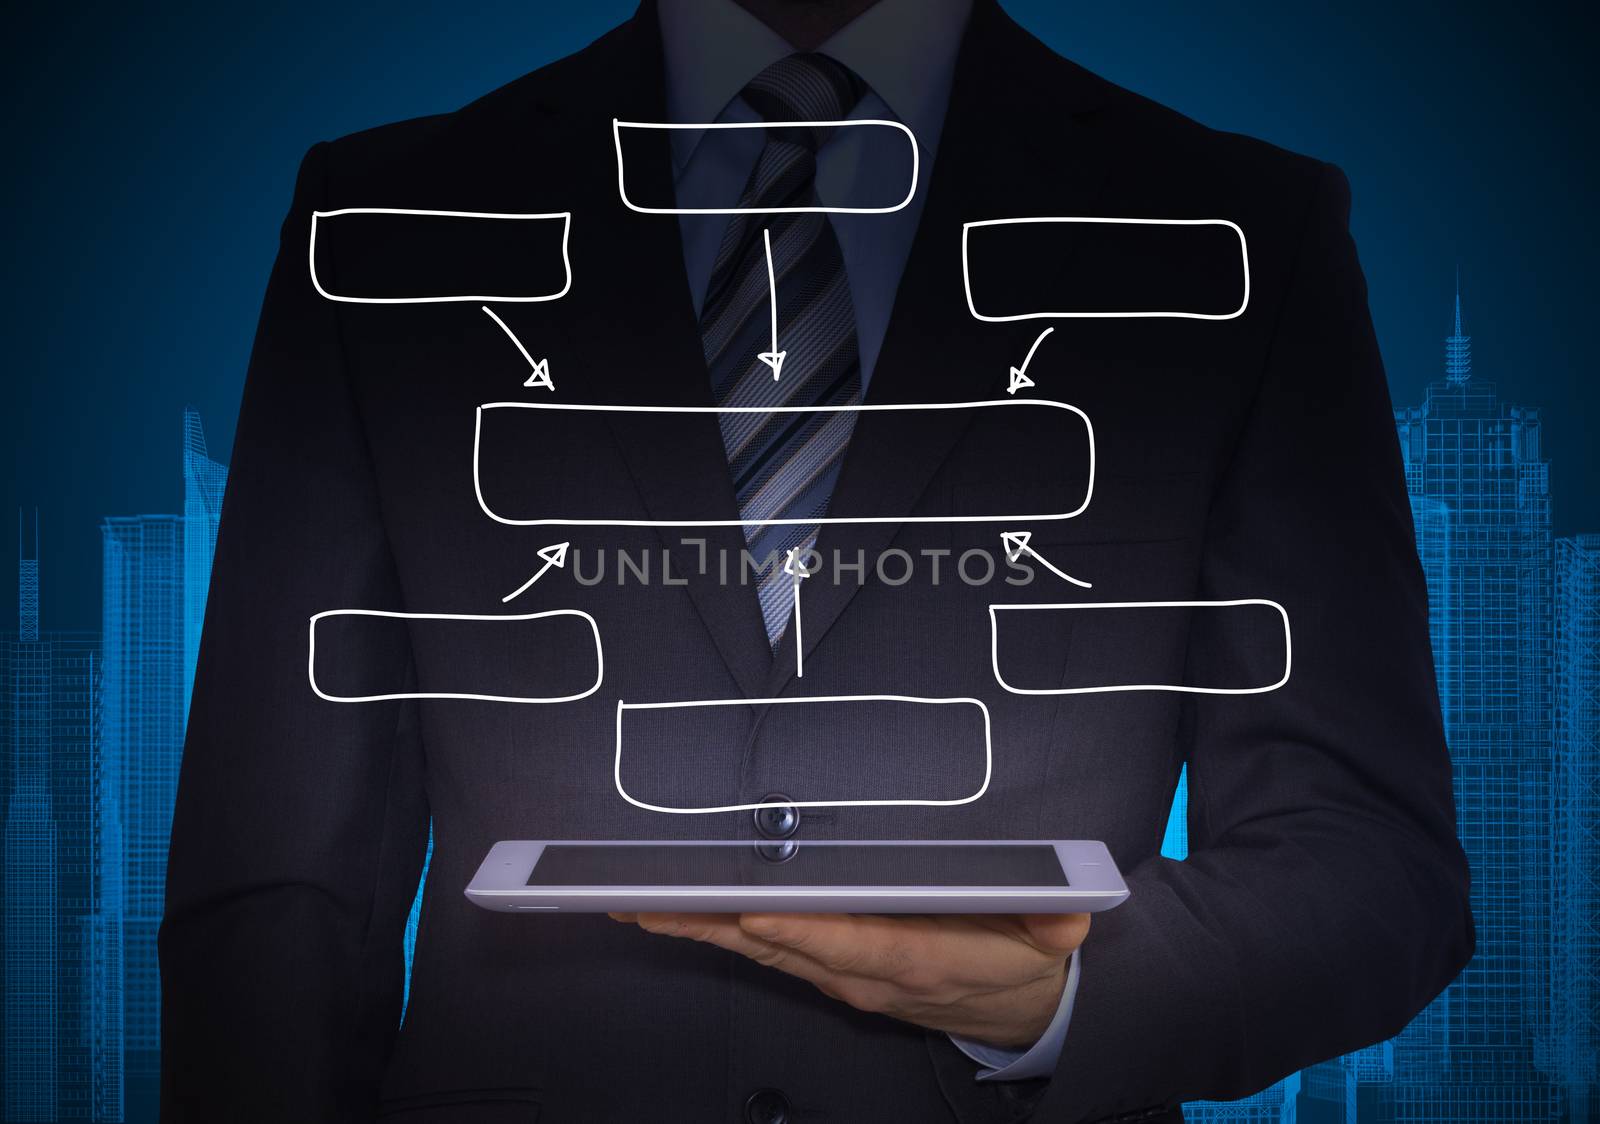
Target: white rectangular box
x,y
814,702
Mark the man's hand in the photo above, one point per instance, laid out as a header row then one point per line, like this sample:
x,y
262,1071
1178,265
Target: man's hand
x,y
995,978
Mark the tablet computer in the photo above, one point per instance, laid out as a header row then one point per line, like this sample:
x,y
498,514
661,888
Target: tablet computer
x,y
826,876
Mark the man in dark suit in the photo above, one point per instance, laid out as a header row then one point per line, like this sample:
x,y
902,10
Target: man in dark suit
x,y
1234,457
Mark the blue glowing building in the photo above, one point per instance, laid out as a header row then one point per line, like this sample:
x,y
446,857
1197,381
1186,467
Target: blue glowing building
x,y
142,626
1474,1054
156,571
32,986
62,875
1514,621
1573,1056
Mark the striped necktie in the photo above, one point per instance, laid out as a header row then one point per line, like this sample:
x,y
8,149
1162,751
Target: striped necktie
x,y
784,465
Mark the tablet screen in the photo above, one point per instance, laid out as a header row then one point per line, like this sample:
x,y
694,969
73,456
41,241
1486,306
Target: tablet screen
x,y
812,864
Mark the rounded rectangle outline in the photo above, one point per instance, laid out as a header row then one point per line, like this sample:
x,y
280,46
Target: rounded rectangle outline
x,y
477,485
311,659
994,648
622,192
485,888
566,257
966,272
988,753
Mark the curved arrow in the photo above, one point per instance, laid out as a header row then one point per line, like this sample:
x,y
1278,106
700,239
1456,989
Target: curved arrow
x,y
541,367
1016,545
554,555
1019,375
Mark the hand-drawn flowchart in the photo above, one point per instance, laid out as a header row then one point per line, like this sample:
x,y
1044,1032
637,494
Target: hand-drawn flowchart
x,y
1016,543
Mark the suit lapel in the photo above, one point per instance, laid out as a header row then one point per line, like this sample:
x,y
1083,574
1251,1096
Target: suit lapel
x,y
1016,142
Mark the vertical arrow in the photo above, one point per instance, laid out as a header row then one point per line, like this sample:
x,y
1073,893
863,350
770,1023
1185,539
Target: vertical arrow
x,y
1019,375
541,367
554,555
773,358
800,574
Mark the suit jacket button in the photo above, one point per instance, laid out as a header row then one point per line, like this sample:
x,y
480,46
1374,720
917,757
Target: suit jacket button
x,y
778,822
766,1106
780,851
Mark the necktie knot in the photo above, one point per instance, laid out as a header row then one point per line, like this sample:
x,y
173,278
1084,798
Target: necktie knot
x,y
805,87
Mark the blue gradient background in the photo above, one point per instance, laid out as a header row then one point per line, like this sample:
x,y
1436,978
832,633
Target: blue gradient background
x,y
153,152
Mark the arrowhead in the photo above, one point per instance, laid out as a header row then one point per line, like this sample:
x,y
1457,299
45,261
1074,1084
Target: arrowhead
x,y
773,359
1018,381
1015,542
553,555
541,375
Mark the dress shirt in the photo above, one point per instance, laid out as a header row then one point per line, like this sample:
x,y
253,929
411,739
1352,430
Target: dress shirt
x,y
905,51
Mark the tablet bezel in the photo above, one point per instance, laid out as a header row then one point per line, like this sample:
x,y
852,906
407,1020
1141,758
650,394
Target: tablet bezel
x,y
1093,884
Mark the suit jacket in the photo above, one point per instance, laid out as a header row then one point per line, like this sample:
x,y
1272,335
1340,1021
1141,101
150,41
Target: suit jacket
x,y
1323,903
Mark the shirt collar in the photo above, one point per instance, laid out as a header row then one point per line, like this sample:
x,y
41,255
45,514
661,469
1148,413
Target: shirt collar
x,y
905,50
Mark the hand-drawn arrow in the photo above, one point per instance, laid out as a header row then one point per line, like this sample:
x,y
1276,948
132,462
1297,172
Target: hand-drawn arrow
x,y
1016,545
541,367
1019,375
773,358
554,555
799,574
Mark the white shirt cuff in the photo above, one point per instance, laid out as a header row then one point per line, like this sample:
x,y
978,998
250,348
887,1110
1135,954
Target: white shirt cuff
x,y
1038,1060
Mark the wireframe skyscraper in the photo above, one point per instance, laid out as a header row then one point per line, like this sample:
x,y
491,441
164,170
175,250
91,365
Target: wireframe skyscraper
x,y
64,1036
142,625
1575,991
157,571
1520,1023
31,955
1471,1056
